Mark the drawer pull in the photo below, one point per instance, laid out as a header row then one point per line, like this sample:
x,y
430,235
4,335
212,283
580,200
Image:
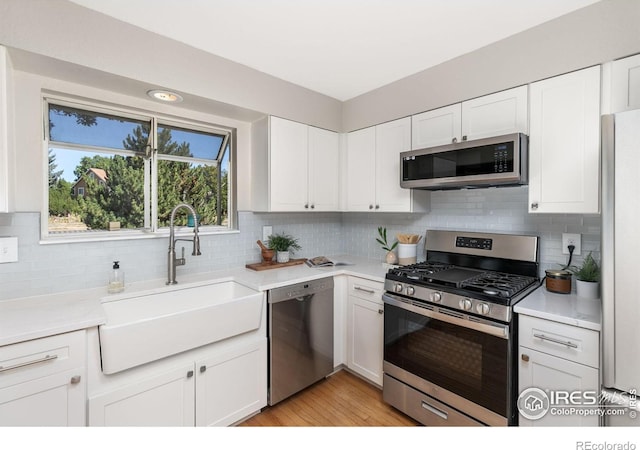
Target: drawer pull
x,y
29,363
556,341
75,379
438,412
525,358
368,291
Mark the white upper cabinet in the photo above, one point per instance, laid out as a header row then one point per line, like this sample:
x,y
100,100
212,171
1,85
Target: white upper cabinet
x,y
504,112
373,170
564,143
436,127
625,84
296,167
5,68
501,113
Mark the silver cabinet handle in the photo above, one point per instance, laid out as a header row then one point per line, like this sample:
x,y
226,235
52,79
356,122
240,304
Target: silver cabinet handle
x,y
377,206
370,206
190,374
464,138
454,140
75,379
554,340
203,369
313,206
368,291
434,410
381,311
306,206
28,363
525,358
534,205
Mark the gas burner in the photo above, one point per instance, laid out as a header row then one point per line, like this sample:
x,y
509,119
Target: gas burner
x,y
420,271
498,284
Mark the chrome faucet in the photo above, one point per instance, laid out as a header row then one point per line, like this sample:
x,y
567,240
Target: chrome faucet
x,y
173,261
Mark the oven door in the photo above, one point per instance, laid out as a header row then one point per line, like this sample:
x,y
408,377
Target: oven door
x,y
461,360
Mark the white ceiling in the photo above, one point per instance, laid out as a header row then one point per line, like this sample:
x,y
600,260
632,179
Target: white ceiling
x,y
340,48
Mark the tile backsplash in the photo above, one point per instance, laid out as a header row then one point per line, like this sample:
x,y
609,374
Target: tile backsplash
x,y
49,268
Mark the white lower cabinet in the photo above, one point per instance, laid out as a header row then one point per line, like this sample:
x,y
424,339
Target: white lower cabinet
x,y
212,391
561,360
365,328
43,381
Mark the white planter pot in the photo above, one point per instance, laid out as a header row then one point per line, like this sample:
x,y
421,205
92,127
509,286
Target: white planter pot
x,y
282,257
588,289
407,254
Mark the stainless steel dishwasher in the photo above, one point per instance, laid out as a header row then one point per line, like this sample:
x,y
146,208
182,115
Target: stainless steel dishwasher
x,y
300,336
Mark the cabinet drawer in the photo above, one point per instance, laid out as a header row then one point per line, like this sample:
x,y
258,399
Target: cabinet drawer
x,y
366,289
28,360
565,341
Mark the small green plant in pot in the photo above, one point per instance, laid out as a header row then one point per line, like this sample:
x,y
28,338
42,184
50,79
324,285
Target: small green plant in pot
x,y
283,244
587,278
390,257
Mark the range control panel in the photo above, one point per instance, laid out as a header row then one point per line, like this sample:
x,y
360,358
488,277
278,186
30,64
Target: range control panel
x,y
479,243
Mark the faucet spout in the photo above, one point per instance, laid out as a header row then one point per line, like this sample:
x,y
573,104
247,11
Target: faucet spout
x,y
172,260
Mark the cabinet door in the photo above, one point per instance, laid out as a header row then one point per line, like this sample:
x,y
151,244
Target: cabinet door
x,y
625,84
54,400
496,114
564,144
167,399
232,385
288,163
436,127
391,139
324,170
361,168
551,373
365,338
4,141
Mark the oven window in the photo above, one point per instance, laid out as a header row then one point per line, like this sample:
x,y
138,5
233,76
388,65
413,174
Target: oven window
x,y
469,363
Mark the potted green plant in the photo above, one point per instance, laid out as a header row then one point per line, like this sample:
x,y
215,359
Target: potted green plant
x,y
390,257
587,278
283,244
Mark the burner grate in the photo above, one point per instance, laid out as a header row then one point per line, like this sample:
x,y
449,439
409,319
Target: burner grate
x,y
420,271
498,284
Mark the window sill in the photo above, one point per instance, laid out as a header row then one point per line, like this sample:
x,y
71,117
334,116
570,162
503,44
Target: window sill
x,y
99,236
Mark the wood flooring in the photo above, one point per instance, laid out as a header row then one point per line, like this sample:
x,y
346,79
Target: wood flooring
x,y
341,400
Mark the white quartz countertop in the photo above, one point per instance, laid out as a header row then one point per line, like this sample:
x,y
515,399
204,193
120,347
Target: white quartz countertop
x,y
564,308
27,318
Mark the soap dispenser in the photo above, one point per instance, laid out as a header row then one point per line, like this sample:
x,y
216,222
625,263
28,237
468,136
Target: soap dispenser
x,y
116,279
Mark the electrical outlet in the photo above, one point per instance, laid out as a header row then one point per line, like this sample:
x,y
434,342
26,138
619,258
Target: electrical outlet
x,y
8,249
267,230
571,239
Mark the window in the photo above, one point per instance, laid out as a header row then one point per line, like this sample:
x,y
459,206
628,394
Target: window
x,y
109,166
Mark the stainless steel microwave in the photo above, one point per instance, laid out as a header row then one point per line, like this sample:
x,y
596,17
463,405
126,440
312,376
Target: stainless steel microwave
x,y
495,161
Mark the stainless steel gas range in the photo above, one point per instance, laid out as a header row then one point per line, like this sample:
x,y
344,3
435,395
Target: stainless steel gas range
x,y
450,338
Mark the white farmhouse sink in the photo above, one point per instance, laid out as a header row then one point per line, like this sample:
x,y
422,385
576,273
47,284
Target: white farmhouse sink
x,y
148,326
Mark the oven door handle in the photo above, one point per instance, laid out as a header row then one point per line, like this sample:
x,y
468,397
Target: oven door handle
x,y
494,329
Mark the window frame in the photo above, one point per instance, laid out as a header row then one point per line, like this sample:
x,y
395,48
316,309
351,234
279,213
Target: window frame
x,y
151,157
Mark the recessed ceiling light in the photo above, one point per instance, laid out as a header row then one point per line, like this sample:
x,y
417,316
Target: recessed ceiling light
x,y
165,96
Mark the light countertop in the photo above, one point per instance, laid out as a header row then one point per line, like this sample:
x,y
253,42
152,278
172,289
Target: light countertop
x,y
27,318
564,308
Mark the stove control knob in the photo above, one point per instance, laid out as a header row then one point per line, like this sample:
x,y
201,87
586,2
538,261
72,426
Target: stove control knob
x,y
482,308
398,287
435,297
410,290
465,304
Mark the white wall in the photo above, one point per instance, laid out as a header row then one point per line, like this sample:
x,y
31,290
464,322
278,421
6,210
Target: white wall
x,y
68,32
593,35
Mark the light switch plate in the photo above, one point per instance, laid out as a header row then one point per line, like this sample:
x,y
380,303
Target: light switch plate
x,y
267,230
8,249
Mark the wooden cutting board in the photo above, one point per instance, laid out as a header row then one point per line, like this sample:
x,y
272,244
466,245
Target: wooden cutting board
x,y
275,265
